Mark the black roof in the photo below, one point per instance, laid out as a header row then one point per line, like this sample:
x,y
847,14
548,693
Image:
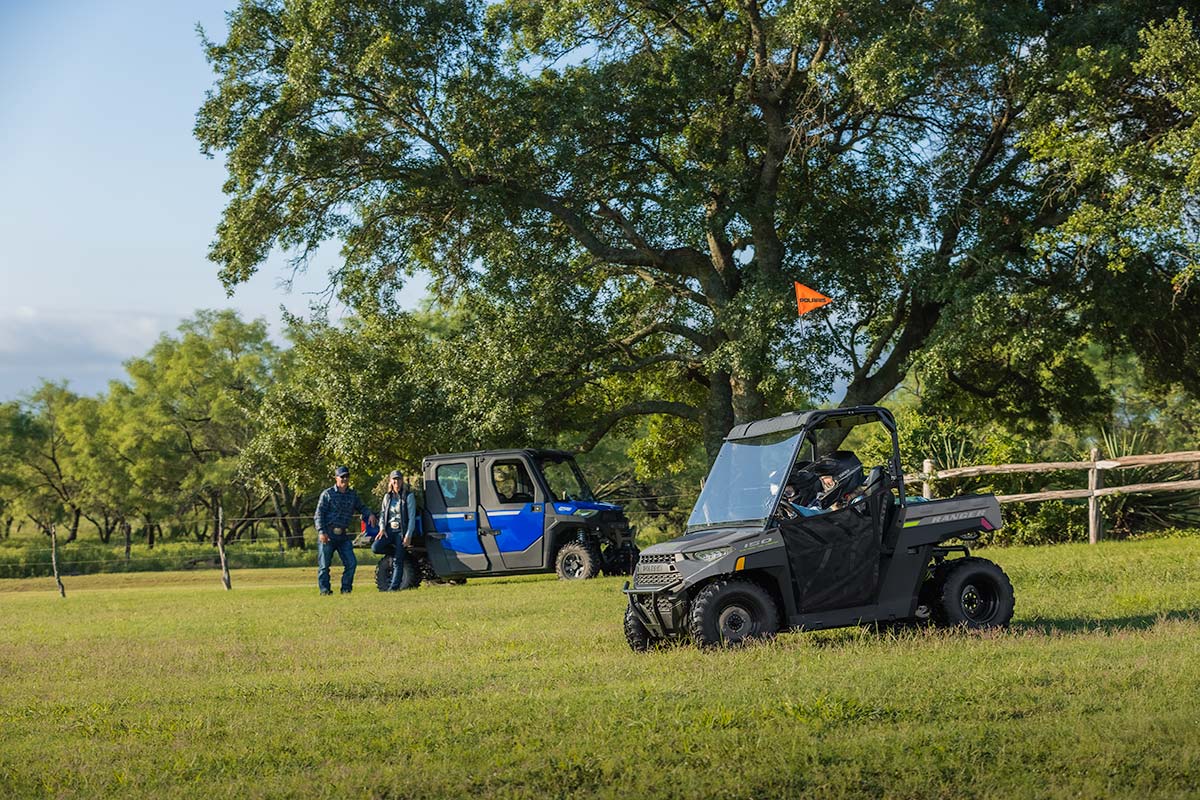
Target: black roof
x,y
825,418
521,451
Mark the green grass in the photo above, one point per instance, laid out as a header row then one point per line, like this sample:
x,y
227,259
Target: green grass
x,y
165,685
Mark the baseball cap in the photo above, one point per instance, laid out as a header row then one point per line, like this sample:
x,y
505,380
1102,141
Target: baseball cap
x,y
340,471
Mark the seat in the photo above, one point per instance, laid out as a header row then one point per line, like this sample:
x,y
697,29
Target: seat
x,y
874,482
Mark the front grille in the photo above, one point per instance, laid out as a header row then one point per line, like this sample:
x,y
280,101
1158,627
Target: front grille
x,y
656,579
645,577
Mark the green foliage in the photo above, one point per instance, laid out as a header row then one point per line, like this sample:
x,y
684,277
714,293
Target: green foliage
x,y
1047,522
1124,125
189,412
45,446
948,442
623,195
1134,513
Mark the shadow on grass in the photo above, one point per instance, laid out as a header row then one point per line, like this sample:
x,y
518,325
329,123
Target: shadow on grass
x,y
1041,626
1048,626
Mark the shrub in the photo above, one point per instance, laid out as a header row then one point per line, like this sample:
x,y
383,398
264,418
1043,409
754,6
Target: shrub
x,y
1049,522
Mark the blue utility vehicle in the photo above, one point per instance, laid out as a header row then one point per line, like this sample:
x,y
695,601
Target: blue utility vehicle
x,y
505,512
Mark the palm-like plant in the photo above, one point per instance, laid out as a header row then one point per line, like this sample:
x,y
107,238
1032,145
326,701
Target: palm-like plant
x,y
1145,511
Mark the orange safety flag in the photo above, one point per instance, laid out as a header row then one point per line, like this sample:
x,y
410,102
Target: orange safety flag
x,y
809,299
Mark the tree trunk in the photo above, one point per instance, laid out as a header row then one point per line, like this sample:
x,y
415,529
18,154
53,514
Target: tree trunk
x,y
221,547
287,511
216,518
106,530
718,415
73,531
748,401
54,560
8,523
281,523
127,529
150,526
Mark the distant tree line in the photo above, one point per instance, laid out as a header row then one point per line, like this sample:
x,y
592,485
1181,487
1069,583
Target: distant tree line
x,y
218,421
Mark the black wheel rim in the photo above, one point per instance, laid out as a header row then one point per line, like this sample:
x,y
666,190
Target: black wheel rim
x,y
572,565
979,601
736,622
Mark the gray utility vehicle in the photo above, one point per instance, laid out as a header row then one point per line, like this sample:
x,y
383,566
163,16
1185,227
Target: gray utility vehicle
x,y
787,534
506,512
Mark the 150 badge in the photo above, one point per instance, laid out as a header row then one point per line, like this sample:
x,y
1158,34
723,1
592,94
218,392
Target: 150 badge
x,y
757,543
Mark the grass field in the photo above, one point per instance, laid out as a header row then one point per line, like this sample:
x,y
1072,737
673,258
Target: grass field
x,y
165,685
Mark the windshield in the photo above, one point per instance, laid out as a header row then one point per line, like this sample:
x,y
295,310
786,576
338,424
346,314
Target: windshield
x,y
564,480
745,480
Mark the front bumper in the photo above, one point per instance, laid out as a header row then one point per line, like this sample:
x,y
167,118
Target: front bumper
x,y
660,609
660,589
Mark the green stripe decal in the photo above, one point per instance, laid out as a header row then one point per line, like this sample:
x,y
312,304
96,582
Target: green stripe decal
x,y
914,522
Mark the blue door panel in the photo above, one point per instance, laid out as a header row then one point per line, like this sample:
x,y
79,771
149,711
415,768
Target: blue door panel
x,y
460,532
517,529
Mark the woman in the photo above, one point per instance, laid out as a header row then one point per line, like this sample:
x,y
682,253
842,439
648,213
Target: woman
x,y
397,522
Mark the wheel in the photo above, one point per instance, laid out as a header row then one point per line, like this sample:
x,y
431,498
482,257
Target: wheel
x,y
427,575
639,637
620,560
577,561
975,593
411,578
729,612
383,574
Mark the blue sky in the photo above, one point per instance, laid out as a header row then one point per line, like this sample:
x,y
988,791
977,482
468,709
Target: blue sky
x,y
107,207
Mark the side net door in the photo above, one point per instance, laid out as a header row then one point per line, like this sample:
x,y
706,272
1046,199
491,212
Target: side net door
x,y
834,557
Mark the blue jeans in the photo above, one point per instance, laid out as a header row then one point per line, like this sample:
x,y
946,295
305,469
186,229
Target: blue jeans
x,y
344,546
386,545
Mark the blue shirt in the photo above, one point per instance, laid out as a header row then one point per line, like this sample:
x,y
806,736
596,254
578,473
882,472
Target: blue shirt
x,y
335,508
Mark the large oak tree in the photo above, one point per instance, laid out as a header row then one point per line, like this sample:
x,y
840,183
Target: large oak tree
x,y
626,190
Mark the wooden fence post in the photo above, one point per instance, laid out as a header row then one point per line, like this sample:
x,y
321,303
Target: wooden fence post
x,y
221,548
54,559
927,485
1095,481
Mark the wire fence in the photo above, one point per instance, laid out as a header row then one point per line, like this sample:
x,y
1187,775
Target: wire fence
x,y
20,557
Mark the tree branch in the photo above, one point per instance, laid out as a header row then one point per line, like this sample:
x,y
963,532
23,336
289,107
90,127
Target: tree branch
x,y
639,409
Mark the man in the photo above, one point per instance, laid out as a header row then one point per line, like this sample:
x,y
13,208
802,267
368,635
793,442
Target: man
x,y
334,510
398,522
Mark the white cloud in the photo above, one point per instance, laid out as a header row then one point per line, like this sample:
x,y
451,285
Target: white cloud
x,y
84,347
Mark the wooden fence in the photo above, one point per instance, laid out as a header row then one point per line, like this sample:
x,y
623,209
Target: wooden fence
x,y
1096,468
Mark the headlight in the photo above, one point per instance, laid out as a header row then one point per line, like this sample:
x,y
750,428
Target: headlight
x,y
586,512
710,555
